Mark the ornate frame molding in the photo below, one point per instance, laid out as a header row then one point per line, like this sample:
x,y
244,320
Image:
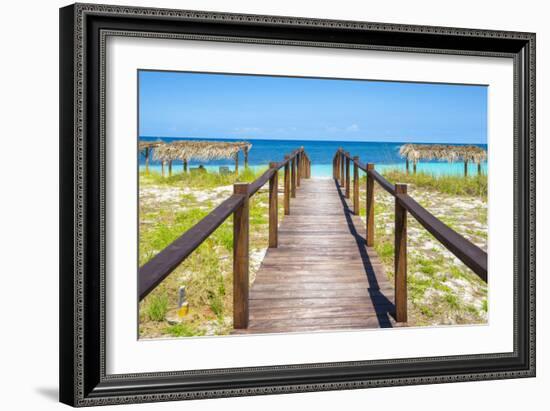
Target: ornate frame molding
x,y
83,378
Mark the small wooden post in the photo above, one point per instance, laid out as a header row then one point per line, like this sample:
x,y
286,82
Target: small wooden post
x,y
479,168
347,176
147,160
293,178
298,168
237,163
170,168
287,187
163,168
337,166
400,256
355,186
273,206
185,165
414,167
245,151
407,162
465,168
370,206
342,171
240,259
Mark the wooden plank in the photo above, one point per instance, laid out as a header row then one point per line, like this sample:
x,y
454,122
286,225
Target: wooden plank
x,y
322,276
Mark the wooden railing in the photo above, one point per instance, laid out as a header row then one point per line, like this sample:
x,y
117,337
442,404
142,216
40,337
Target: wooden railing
x,y
467,252
297,165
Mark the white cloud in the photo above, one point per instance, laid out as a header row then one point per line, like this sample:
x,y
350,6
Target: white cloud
x,y
353,127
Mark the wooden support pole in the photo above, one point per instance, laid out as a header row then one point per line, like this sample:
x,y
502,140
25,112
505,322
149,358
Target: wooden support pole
x,y
355,186
293,178
185,165
237,163
407,162
337,166
342,171
163,168
465,168
287,187
245,151
298,168
240,259
479,168
400,256
414,167
370,206
347,176
170,168
273,206
147,160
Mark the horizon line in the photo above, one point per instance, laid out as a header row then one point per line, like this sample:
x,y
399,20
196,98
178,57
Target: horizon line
x,y
334,141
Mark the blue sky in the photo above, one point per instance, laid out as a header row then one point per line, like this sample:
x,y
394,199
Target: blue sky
x,y
178,104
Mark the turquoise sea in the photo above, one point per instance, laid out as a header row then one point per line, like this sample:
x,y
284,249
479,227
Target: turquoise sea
x,y
321,153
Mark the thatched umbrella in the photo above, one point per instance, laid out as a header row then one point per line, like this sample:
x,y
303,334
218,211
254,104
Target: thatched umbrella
x,y
145,147
443,152
187,150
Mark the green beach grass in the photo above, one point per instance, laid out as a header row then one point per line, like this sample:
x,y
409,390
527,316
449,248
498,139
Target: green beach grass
x,y
441,289
169,206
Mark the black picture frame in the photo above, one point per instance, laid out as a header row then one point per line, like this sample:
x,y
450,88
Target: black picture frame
x,y
83,381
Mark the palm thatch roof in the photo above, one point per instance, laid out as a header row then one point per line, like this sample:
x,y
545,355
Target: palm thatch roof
x,y
443,152
197,150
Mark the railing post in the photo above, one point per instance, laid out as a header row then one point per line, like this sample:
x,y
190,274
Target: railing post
x,y
347,175
370,206
293,178
147,160
240,259
337,166
170,168
286,199
342,171
355,185
273,206
298,168
400,256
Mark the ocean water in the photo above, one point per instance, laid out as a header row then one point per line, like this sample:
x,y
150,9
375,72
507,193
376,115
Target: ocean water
x,y
383,155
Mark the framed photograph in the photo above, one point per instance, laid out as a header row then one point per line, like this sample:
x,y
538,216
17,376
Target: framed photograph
x,y
262,204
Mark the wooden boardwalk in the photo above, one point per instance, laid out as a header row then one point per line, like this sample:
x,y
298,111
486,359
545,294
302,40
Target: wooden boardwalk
x,y
321,276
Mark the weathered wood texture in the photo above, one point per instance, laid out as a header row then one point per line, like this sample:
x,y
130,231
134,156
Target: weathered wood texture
x,y
322,276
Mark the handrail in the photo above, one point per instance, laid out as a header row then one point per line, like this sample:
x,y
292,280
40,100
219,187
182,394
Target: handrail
x,y
161,265
466,251
385,184
260,181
